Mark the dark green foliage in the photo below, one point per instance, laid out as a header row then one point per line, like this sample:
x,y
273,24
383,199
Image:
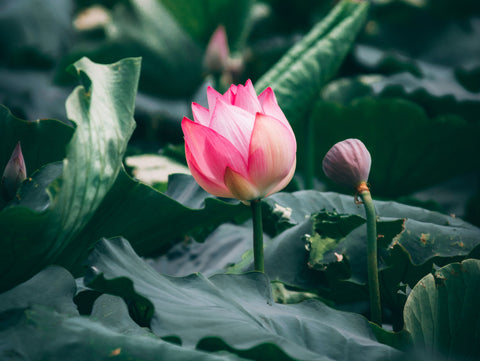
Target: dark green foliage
x,y
236,312
438,313
38,320
408,89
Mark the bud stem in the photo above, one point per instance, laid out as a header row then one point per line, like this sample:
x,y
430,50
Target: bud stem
x,y
257,235
373,285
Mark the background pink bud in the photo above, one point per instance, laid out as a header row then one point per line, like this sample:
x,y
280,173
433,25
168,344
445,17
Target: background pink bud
x,y
217,53
15,172
348,163
242,146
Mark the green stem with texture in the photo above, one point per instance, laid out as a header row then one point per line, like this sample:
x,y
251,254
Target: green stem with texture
x,y
372,264
257,235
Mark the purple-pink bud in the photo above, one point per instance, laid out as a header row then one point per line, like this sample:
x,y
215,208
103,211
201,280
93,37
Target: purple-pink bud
x,y
348,163
15,172
217,53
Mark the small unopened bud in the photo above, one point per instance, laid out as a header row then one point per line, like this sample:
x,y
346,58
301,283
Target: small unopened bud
x,y
217,53
348,163
15,172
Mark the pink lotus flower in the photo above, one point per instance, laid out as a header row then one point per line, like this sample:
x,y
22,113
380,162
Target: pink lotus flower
x,y
242,146
15,172
348,163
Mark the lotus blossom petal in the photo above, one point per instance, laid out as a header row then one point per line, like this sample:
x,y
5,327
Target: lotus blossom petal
x,y
246,100
270,106
284,182
201,114
241,187
249,87
233,123
232,90
272,152
210,184
203,144
212,96
242,146
348,163
230,95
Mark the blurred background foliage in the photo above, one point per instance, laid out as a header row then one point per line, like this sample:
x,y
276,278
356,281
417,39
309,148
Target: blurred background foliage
x,y
409,87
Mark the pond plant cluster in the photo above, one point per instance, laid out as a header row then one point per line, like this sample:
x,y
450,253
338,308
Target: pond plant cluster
x,y
331,210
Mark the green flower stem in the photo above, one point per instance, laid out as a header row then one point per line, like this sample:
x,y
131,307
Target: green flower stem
x,y
309,153
257,235
373,285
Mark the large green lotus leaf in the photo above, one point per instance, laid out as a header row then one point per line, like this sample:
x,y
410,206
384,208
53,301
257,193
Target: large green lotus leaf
x,y
287,261
152,220
225,246
103,112
43,141
423,235
409,150
53,287
324,247
220,250
300,74
400,340
39,321
442,313
284,210
411,239
234,311
42,334
229,249
33,191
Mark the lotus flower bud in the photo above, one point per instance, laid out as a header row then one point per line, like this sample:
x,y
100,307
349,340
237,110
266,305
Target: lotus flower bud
x,y
15,172
217,53
242,146
348,163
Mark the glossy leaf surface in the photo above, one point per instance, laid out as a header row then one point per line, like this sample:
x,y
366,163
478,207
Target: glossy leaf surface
x,y
441,313
232,311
